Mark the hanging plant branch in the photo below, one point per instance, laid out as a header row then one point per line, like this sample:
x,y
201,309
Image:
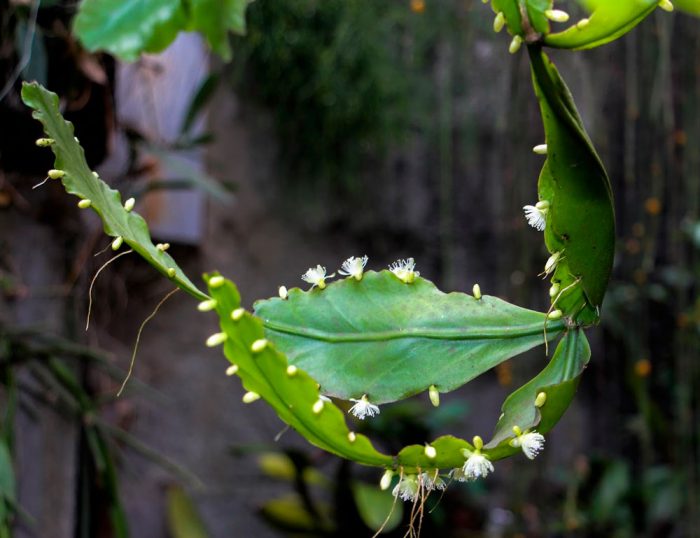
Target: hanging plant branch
x,y
119,220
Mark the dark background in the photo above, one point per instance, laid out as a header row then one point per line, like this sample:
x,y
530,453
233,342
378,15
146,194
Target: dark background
x,y
400,129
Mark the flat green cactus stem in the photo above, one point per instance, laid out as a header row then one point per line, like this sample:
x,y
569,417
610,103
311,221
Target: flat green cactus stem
x,y
580,218
267,373
608,20
531,20
77,178
389,340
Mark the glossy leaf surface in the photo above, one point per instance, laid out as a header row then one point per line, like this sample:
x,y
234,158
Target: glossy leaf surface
x,y
580,219
292,396
511,12
126,28
558,381
390,340
106,202
608,20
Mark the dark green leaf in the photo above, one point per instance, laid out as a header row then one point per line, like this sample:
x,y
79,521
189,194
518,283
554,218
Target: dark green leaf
x,y
558,381
389,340
107,203
581,219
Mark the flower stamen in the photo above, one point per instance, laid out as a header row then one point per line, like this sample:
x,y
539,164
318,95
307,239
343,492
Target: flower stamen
x,y
353,267
363,408
405,270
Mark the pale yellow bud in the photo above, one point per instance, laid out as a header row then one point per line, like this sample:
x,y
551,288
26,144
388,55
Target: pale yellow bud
x,y
258,345
216,339
556,15
476,290
540,399
385,481
216,281
250,397
434,395
499,22
207,306
515,44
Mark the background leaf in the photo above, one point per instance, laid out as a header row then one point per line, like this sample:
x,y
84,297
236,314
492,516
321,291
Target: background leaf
x,y
184,520
375,505
126,28
215,18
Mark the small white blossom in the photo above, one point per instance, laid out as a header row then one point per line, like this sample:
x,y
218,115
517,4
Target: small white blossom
x,y
432,482
536,215
363,408
405,270
316,276
531,443
407,489
476,466
458,474
353,267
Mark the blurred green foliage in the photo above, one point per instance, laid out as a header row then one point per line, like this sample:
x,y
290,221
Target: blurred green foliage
x,y
339,77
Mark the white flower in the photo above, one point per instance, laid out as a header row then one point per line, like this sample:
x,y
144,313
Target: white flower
x,y
353,267
531,443
476,466
363,408
536,215
316,276
432,482
407,489
404,270
458,474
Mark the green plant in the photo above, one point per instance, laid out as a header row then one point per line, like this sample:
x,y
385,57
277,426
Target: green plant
x,y
376,338
129,28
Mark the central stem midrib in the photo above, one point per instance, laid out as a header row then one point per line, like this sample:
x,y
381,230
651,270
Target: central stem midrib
x,y
462,333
